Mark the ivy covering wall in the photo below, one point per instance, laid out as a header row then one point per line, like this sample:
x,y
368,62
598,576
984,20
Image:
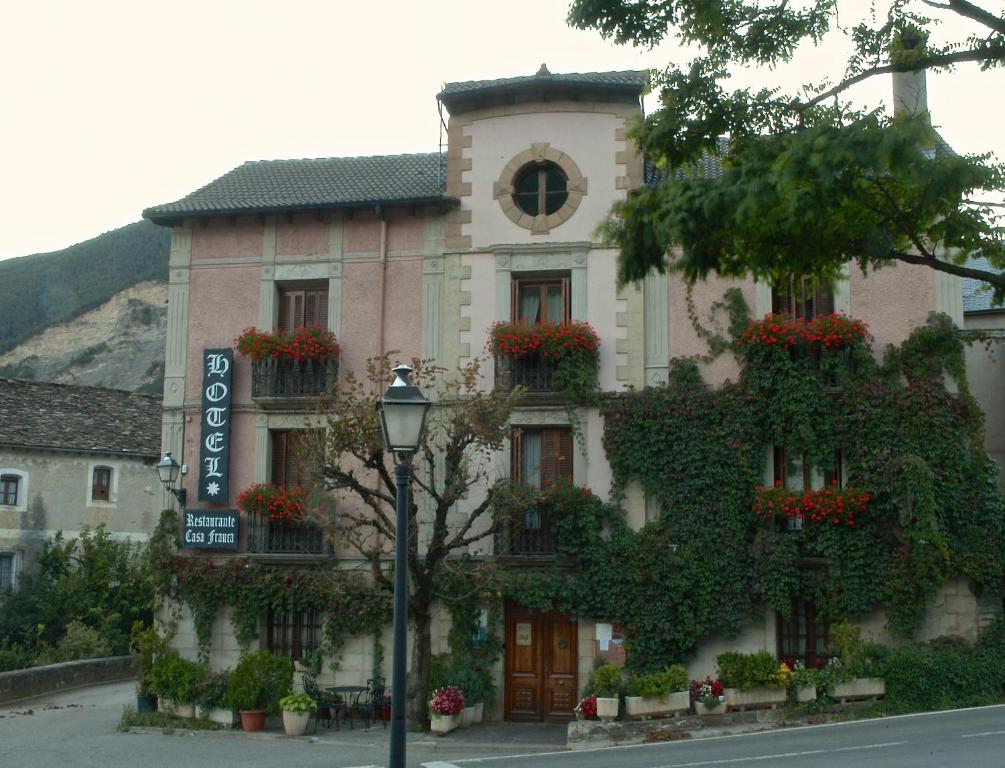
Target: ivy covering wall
x,y
907,433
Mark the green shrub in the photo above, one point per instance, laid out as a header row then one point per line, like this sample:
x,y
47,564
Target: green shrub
x,y
212,691
670,680
922,677
857,656
145,646
297,702
607,681
12,656
176,678
259,681
470,679
748,670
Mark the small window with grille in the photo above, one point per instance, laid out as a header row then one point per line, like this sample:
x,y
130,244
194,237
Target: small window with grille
x,y
101,484
293,633
6,571
9,486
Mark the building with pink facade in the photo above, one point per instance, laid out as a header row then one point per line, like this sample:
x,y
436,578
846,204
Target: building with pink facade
x,y
418,256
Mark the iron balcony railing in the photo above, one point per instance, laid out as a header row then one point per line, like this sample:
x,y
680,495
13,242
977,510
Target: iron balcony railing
x,y
284,377
526,535
286,537
535,373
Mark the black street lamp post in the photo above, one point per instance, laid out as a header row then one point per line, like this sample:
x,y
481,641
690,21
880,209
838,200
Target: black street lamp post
x,y
402,417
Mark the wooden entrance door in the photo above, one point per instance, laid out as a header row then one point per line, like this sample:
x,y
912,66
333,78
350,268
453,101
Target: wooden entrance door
x,y
541,650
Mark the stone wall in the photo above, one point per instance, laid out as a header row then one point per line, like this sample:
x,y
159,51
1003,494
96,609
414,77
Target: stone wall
x,y
24,684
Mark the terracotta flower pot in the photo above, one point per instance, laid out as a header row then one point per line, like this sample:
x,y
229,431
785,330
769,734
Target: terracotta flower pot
x,y
253,720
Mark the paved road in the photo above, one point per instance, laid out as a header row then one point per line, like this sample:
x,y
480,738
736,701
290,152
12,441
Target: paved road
x,y
971,738
79,729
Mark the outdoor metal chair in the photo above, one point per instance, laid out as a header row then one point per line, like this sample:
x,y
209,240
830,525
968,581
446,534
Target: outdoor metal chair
x,y
369,702
328,705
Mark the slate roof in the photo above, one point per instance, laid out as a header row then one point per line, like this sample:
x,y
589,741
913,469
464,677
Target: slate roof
x,y
37,414
620,86
977,293
265,186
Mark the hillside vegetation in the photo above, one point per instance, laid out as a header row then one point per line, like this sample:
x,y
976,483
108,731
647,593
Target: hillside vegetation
x,y
46,288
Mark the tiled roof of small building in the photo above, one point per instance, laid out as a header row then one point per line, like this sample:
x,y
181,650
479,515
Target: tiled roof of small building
x,y
624,86
40,414
334,182
977,293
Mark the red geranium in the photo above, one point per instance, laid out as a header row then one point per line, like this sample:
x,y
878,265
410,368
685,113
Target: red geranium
x,y
273,502
448,701
310,342
832,504
553,340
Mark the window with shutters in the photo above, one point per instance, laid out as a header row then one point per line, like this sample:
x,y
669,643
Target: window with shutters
x,y
294,462
540,458
101,484
302,307
803,635
803,297
9,485
293,633
792,471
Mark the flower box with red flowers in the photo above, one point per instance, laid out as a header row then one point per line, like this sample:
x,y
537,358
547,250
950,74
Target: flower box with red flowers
x,y
447,701
544,356
270,502
778,331
298,364
831,505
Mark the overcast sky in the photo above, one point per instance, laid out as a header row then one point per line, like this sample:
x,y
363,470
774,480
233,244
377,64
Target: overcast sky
x,y
110,107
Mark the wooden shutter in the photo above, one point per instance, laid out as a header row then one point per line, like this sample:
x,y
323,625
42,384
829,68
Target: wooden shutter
x,y
782,299
823,298
316,308
556,456
279,441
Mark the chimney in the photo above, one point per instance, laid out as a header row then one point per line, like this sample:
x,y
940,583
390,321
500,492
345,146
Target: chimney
x,y
910,92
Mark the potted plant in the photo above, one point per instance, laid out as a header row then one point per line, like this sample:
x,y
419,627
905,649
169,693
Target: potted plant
x,y
803,682
708,696
606,683
256,685
176,681
145,645
658,693
445,709
297,708
752,679
211,699
471,681
586,709
852,667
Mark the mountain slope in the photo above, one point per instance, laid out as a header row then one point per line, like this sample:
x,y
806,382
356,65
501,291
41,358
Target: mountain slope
x,y
120,344
46,288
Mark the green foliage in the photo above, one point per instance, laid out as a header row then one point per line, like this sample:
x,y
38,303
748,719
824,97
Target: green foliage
x,y
166,722
212,691
350,605
935,508
944,674
176,678
79,642
297,702
655,684
96,581
259,681
146,645
749,670
808,182
471,679
607,681
12,656
46,288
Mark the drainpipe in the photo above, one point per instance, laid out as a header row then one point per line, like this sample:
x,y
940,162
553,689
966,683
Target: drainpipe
x,y
382,260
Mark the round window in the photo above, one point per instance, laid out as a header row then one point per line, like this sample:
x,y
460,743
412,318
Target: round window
x,y
540,188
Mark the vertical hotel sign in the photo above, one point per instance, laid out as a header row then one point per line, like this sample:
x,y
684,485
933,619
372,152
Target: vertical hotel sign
x,y
214,454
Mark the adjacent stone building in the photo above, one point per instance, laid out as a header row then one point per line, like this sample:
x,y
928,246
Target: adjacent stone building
x,y
72,457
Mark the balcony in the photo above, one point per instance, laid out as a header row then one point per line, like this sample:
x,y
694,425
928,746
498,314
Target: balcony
x,y
526,535
535,373
286,537
282,379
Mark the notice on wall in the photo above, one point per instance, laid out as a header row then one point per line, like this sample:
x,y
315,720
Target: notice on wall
x,y
210,529
609,643
523,633
214,451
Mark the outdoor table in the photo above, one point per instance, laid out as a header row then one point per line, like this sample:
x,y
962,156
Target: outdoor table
x,y
348,695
